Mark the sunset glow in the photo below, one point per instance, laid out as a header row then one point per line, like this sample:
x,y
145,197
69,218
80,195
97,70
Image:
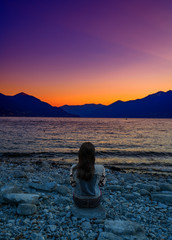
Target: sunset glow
x,y
77,52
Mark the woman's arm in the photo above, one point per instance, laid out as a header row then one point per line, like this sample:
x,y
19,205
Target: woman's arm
x,y
72,180
102,179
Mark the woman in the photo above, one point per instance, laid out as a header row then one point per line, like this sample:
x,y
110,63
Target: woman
x,y
87,177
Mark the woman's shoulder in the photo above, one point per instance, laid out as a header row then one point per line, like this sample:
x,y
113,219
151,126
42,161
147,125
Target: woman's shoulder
x,y
73,165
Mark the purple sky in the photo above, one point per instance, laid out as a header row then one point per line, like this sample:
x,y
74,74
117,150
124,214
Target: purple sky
x,y
75,52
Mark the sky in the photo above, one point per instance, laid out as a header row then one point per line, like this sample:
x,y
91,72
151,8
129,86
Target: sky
x,y
91,51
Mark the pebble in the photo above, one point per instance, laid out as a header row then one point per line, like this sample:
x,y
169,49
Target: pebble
x,y
127,198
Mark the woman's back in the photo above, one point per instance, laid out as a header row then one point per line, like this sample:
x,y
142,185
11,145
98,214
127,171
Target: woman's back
x,y
89,189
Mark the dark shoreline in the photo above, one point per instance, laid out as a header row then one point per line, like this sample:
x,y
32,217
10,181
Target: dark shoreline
x,y
111,166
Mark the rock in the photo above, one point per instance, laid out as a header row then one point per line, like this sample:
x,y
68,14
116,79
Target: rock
x,y
132,196
48,186
9,189
20,174
125,228
108,236
148,187
29,169
74,235
63,190
37,236
64,200
21,198
128,177
86,225
98,212
165,187
26,209
144,192
58,178
52,228
162,197
114,187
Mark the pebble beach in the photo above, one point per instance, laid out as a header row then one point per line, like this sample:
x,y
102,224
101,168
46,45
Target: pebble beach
x,y
36,203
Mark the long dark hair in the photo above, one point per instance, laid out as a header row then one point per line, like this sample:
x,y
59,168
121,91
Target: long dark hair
x,y
85,167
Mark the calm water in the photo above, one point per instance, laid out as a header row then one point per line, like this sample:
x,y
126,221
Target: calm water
x,y
135,143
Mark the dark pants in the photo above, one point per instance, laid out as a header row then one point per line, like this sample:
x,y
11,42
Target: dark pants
x,y
87,203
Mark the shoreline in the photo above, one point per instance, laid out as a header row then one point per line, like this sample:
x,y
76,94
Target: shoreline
x,y
128,168
129,197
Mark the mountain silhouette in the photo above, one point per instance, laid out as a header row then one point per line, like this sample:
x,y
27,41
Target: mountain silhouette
x,y
157,105
24,105
82,110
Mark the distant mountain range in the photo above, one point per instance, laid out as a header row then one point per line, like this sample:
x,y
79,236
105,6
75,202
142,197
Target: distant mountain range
x,y
23,105
85,110
157,105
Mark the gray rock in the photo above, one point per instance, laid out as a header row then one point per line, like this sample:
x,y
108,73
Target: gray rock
x,y
108,236
132,196
98,212
86,225
37,236
9,189
52,228
74,235
29,169
162,197
144,192
21,198
165,187
20,174
126,228
63,190
148,187
26,209
58,178
114,187
48,186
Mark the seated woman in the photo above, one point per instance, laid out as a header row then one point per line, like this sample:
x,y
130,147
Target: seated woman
x,y
87,177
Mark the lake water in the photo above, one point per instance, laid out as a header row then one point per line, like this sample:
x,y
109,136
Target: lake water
x,y
128,143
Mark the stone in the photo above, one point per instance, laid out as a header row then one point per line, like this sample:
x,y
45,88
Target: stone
x,y
58,178
63,190
86,225
9,189
37,236
52,228
98,212
162,197
144,192
26,209
20,174
131,196
114,187
165,187
108,236
125,228
21,198
47,187
148,187
29,168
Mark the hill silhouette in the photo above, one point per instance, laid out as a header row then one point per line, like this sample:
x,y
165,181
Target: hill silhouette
x,y
82,110
24,105
157,105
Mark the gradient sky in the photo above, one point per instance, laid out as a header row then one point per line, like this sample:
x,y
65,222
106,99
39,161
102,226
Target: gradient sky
x,y
85,51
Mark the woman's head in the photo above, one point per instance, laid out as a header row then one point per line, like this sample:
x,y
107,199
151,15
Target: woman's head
x,y
85,167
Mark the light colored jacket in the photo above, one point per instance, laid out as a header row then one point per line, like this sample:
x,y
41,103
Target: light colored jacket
x,y
88,189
